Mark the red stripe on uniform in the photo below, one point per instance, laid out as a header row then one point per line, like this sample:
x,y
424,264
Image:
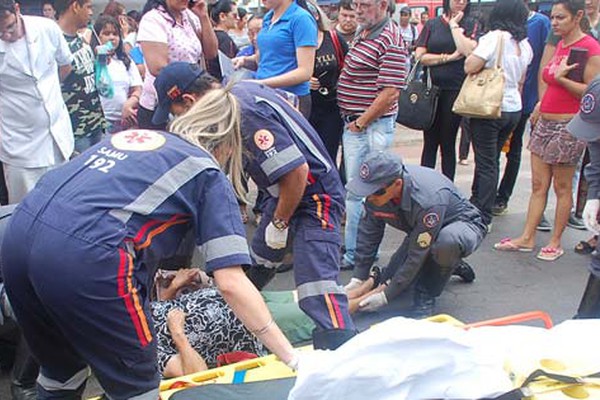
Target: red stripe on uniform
x,y
327,199
125,295
121,273
338,312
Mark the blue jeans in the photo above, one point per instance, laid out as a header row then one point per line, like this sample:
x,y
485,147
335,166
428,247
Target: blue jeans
x,y
378,136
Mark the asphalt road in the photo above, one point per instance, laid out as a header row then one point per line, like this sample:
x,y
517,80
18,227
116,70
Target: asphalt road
x,y
506,283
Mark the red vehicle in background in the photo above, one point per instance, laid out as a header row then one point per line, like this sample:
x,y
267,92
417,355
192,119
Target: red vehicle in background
x,y
417,7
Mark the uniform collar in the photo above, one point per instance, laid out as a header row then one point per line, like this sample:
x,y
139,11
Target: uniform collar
x,y
375,31
407,189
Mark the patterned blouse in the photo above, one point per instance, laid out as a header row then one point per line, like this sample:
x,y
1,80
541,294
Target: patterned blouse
x,y
210,326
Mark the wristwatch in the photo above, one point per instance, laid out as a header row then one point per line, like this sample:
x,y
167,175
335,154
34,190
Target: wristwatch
x,y
359,126
279,223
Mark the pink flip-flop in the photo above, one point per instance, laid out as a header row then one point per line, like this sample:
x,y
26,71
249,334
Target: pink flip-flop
x,y
550,253
507,244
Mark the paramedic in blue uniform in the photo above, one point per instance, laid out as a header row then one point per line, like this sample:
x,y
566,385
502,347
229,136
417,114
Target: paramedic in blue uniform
x,y
286,158
442,227
82,249
586,126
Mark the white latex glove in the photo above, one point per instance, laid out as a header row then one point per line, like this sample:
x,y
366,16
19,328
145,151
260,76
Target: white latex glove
x,y
294,361
373,302
275,238
353,284
590,215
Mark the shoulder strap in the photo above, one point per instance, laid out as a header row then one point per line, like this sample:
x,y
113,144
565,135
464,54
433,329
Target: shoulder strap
x,y
337,47
499,50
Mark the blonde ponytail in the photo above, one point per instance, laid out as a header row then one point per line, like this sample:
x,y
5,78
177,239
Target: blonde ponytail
x,y
213,123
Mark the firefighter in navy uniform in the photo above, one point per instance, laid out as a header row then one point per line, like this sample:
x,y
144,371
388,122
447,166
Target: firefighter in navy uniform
x,y
286,158
586,126
81,251
441,225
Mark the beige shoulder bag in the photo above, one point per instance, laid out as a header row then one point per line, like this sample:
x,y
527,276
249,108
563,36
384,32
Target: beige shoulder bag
x,y
481,94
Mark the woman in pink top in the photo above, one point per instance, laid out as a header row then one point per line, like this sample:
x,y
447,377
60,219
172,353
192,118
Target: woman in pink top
x,y
170,31
554,151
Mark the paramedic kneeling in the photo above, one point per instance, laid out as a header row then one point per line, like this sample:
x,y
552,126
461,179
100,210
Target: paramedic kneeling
x,y
285,157
442,227
82,249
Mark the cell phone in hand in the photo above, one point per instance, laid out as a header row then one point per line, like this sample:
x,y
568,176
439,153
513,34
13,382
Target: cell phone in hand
x,y
579,56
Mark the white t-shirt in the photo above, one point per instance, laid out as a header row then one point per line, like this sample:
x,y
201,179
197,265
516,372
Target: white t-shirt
x,y
123,80
409,34
513,63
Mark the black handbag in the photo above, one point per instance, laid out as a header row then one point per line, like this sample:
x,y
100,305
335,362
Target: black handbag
x,y
417,103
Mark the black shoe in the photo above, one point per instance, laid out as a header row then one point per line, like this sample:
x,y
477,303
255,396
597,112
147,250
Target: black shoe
x,y
500,208
575,223
465,272
544,225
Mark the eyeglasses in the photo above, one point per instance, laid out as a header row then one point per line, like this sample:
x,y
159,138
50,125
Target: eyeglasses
x,y
364,6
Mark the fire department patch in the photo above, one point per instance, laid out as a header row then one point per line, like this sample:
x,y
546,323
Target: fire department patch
x,y
424,240
138,140
263,139
430,220
587,103
364,171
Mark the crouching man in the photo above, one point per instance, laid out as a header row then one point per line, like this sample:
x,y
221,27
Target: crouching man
x,y
442,227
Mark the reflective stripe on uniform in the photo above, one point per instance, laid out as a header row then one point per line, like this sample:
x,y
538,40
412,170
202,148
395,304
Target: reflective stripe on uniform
x,y
223,246
319,288
273,163
164,187
263,261
72,383
298,131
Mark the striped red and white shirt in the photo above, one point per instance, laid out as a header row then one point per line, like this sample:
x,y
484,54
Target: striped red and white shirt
x,y
377,59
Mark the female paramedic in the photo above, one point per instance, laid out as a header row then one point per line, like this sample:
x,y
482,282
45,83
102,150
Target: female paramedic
x,y
81,251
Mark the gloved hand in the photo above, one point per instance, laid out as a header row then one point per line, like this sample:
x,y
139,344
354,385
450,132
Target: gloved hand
x,y
590,215
353,284
373,302
294,361
276,238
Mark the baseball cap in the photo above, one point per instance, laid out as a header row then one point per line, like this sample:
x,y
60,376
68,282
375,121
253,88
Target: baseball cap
x,y
377,171
585,125
171,83
405,10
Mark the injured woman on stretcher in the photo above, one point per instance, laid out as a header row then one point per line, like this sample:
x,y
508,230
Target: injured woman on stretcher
x,y
195,328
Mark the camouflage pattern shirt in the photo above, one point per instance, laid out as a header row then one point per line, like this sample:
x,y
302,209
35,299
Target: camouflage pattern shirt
x,y
79,90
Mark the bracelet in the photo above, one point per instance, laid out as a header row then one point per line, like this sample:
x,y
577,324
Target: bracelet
x,y
264,329
444,58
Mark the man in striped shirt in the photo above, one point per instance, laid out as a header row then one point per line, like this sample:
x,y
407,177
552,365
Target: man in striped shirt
x,y
368,88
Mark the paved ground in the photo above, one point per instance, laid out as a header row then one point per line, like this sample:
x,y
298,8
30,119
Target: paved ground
x,y
506,283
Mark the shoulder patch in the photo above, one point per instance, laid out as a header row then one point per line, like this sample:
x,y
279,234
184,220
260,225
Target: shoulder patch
x,y
424,240
430,220
264,139
138,140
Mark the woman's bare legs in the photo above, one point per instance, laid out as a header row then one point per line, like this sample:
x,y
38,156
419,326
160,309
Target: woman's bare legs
x,y
563,176
541,177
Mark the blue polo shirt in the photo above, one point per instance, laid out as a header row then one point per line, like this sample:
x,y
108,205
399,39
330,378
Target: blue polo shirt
x,y
277,44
